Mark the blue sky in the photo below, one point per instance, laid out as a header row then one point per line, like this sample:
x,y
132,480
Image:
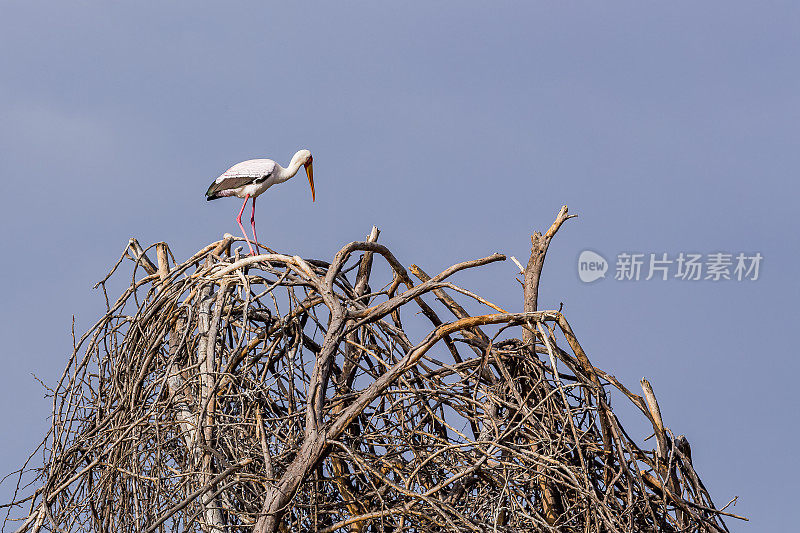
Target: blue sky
x,y
456,127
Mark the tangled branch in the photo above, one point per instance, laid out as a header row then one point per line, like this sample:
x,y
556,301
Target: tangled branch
x,y
274,393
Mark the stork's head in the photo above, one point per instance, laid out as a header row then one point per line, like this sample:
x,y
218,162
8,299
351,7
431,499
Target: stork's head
x,y
304,157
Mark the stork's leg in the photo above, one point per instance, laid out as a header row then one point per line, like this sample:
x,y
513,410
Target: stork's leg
x,y
239,221
253,223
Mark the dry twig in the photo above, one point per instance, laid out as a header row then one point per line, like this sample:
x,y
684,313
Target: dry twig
x,y
273,393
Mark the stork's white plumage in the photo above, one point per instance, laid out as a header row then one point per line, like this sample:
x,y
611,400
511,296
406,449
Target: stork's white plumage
x,y
249,179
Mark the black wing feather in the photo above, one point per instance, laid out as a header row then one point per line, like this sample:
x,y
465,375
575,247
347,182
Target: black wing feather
x,y
233,182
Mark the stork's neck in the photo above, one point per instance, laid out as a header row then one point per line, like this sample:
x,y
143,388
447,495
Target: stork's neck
x,y
283,174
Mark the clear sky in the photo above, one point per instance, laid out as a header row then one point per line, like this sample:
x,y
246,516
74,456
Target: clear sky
x,y
456,127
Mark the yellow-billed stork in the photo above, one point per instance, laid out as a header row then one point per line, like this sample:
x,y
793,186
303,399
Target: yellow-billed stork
x,y
250,178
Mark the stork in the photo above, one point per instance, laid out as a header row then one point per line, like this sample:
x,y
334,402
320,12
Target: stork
x,y
249,179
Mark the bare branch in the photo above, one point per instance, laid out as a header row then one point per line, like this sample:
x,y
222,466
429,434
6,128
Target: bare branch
x,y
275,393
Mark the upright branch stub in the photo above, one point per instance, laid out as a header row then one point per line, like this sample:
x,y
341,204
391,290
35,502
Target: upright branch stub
x,y
533,270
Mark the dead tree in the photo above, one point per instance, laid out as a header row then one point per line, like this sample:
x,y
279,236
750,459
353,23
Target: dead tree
x,y
274,393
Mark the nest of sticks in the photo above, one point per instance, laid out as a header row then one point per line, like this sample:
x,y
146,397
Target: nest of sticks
x,y
275,393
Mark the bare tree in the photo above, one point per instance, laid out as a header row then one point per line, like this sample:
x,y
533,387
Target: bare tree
x,y
274,393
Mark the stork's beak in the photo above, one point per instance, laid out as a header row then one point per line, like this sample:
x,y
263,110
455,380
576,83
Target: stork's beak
x,y
310,174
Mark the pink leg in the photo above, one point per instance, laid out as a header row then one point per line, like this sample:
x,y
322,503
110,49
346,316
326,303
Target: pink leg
x,y
253,223
239,221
